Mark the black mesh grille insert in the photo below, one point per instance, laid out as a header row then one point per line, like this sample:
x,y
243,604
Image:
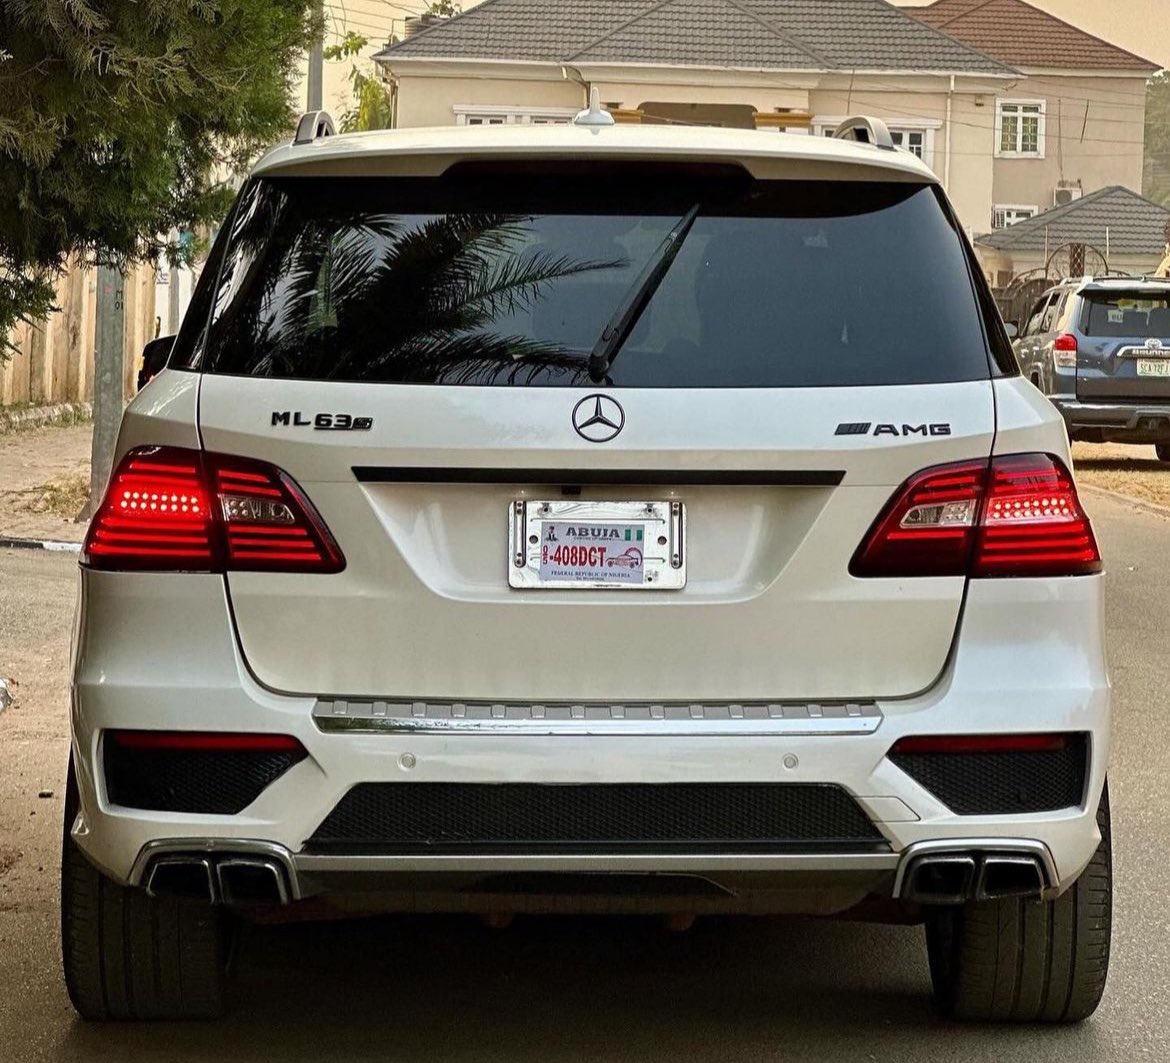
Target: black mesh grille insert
x,y
455,817
987,784
219,782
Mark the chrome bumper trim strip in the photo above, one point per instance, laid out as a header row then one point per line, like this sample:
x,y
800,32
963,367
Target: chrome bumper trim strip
x,y
663,718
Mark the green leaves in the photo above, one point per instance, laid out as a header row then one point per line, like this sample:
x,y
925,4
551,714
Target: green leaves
x,y
125,119
372,109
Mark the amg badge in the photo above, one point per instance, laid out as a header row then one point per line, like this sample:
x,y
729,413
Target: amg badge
x,y
324,422
865,428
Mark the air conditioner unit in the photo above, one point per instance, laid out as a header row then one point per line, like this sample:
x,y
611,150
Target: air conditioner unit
x,y
1065,194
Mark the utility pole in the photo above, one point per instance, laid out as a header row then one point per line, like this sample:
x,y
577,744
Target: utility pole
x,y
316,67
173,293
107,381
173,283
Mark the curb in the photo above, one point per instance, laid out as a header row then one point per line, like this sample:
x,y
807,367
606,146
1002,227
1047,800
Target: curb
x,y
54,545
42,416
1129,500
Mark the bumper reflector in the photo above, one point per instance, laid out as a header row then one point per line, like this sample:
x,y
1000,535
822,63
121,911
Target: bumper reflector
x,y
217,773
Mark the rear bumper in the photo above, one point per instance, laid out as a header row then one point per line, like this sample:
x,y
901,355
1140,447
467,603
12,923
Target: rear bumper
x,y
1147,422
158,652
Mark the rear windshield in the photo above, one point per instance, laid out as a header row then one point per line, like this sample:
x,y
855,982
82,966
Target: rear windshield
x,y
492,281
1128,315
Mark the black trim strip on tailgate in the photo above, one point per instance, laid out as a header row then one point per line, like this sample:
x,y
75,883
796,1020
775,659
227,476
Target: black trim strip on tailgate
x,y
401,474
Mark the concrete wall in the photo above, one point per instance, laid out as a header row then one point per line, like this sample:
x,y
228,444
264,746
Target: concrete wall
x,y
54,360
1095,129
430,101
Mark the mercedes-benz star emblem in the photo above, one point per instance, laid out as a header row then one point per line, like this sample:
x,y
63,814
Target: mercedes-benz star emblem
x,y
598,418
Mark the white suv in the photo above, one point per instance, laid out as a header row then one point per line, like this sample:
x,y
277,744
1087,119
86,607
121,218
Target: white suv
x,y
624,519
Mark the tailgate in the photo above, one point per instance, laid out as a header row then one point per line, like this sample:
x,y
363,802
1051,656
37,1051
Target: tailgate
x,y
776,504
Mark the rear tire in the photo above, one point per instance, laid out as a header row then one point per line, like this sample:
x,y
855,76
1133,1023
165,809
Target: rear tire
x,y
1027,961
127,955
1163,451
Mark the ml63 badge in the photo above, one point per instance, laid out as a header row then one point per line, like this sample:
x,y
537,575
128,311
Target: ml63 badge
x,y
612,545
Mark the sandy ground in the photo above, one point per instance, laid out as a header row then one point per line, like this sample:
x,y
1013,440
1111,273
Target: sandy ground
x,y
1126,470
32,463
35,619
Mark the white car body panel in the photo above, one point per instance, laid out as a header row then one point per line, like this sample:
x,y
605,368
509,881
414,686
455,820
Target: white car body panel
x,y
427,558
426,152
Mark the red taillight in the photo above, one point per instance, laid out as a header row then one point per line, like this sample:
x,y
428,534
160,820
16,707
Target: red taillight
x,y
206,742
1032,523
169,508
157,514
1017,515
1065,350
928,527
998,743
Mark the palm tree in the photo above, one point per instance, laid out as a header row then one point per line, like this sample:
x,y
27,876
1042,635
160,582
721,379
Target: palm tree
x,y
366,295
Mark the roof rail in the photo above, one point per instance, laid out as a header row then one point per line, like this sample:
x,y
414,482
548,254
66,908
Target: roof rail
x,y
1120,275
313,126
865,130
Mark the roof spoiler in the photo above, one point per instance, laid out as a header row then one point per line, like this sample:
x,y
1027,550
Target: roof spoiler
x,y
865,130
313,126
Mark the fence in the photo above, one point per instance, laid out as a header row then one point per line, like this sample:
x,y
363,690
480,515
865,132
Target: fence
x,y
54,361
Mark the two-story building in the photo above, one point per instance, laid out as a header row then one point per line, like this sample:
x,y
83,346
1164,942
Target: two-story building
x,y
799,65
1073,123
1015,110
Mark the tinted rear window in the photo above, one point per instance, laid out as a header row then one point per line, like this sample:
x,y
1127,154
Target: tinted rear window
x,y
1129,315
493,281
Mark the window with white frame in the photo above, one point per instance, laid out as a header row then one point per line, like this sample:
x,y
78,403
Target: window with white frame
x,y
1003,216
913,140
914,135
480,114
1019,128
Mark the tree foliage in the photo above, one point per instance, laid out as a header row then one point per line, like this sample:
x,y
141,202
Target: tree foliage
x,y
372,105
371,100
125,119
359,294
1157,174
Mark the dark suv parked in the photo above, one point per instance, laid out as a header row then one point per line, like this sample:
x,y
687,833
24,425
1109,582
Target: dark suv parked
x,y
1100,350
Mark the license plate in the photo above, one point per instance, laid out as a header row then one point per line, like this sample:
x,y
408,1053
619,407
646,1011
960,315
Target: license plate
x,y
1153,367
567,544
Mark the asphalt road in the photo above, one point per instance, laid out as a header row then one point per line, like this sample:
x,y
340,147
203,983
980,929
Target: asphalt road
x,y
560,989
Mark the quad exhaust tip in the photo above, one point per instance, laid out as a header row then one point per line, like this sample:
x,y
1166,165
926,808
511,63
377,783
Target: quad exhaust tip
x,y
233,880
956,878
1009,876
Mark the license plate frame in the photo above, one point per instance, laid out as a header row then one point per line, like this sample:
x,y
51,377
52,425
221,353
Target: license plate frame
x,y
655,561
1153,367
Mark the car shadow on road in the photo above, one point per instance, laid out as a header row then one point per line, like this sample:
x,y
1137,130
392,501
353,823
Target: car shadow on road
x,y
558,988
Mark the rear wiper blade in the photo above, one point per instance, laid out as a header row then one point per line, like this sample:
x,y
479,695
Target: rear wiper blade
x,y
609,343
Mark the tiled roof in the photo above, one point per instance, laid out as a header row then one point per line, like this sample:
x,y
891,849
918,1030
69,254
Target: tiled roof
x,y
769,34
1019,34
1135,225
